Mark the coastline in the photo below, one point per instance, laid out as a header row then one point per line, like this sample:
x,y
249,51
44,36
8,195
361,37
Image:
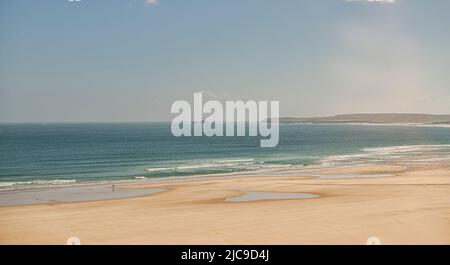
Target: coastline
x,y
372,124
411,206
383,154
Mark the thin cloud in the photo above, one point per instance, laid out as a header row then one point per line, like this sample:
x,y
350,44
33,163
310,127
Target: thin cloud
x,y
375,1
152,2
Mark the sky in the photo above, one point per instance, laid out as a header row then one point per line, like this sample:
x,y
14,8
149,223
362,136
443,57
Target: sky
x,y
129,60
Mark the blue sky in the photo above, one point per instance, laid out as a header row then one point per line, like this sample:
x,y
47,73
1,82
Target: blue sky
x,y
129,60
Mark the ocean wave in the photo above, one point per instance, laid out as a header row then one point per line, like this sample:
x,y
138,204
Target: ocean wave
x,y
236,160
346,157
435,125
279,166
196,166
418,153
228,163
434,159
199,166
438,152
158,169
405,148
13,184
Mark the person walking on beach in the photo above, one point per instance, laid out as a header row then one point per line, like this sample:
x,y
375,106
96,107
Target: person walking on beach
x,y
113,187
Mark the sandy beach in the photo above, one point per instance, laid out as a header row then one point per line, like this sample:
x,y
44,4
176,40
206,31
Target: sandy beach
x,y
410,206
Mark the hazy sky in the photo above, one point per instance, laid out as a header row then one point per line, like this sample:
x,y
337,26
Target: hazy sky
x,y
129,60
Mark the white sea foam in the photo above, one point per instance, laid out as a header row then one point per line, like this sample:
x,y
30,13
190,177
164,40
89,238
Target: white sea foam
x,y
390,153
54,182
236,160
434,159
197,166
278,166
11,184
405,148
435,125
158,169
346,157
38,183
206,164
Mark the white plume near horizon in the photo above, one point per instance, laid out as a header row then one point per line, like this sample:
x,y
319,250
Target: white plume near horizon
x,y
379,65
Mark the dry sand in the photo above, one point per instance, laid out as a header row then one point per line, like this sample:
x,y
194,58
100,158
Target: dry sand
x,y
410,207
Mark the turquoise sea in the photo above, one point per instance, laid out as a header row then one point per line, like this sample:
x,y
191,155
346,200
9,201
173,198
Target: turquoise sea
x,y
60,153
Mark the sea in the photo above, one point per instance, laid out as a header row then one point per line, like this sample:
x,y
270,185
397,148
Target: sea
x,y
47,154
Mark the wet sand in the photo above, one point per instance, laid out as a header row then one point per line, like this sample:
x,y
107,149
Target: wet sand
x,y
410,205
66,194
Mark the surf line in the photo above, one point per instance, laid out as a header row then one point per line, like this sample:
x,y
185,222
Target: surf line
x,y
230,120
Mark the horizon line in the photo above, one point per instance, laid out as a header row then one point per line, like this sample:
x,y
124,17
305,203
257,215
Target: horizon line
x,y
163,121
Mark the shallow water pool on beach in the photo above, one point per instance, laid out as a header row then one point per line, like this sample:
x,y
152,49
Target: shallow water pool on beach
x,y
262,196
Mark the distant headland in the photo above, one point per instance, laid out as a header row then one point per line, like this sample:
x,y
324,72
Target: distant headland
x,y
380,118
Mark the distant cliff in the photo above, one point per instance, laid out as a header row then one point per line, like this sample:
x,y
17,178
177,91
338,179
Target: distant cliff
x,y
373,118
